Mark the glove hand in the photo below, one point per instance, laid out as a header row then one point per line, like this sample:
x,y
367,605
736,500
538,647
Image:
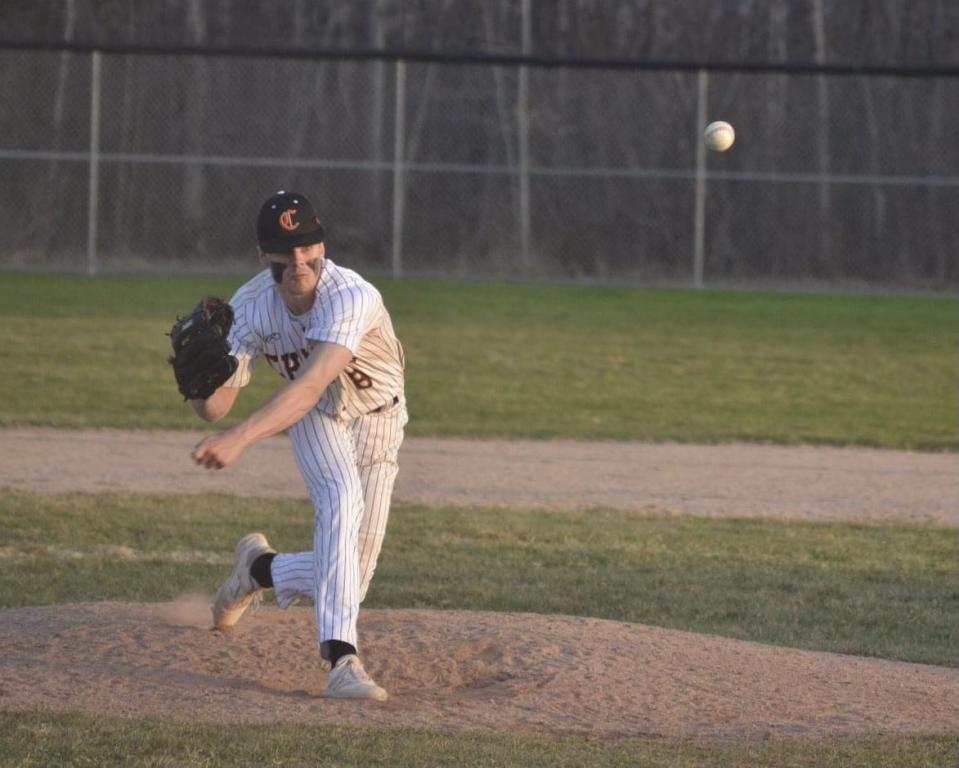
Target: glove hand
x,y
201,358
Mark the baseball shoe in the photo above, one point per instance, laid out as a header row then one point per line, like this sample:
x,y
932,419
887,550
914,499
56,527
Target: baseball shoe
x,y
239,590
348,680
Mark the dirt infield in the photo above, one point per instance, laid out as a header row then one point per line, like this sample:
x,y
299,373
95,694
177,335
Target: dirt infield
x,y
802,483
455,670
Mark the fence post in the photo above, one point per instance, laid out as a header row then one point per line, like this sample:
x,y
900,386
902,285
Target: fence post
x,y
523,130
93,188
399,181
699,217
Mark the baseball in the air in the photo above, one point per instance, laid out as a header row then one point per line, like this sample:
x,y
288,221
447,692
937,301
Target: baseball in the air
x,y
719,136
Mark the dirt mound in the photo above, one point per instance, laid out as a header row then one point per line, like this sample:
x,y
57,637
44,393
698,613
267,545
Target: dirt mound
x,y
453,670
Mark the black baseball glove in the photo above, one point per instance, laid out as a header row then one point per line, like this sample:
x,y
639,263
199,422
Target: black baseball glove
x,y
201,357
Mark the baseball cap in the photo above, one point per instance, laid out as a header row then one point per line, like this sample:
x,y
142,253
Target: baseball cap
x,y
287,220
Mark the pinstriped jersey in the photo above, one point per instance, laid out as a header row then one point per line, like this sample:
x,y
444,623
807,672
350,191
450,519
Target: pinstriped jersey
x,y
348,311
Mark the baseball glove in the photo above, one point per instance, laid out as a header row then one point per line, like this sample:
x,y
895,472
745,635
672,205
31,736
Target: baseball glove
x,y
201,357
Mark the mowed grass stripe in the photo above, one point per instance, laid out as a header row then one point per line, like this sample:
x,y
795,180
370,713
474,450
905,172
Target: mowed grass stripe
x,y
47,739
516,360
880,590
114,552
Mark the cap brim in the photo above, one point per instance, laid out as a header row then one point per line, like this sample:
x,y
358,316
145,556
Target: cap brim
x,y
294,240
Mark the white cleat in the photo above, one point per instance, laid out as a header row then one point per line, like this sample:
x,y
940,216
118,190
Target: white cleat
x,y
348,680
239,590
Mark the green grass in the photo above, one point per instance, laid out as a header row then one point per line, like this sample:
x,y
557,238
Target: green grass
x,y
515,361
881,590
43,741
541,361
886,590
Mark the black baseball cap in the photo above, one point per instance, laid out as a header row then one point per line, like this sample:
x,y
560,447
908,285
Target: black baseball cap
x,y
287,220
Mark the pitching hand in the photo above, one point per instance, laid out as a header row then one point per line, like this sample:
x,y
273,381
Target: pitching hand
x,y
219,450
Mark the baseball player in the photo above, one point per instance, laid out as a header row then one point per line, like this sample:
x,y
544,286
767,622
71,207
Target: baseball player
x,y
327,334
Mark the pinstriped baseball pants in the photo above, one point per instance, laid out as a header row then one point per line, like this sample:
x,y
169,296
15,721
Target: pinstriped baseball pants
x,y
349,468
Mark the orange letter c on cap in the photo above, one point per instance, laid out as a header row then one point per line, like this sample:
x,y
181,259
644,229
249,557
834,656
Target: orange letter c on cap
x,y
286,220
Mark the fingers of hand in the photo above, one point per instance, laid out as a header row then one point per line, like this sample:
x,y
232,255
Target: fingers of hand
x,y
206,457
210,461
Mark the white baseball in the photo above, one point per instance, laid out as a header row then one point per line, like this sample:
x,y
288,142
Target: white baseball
x,y
719,136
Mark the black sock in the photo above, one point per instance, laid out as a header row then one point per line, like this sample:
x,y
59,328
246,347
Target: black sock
x,y
260,570
337,649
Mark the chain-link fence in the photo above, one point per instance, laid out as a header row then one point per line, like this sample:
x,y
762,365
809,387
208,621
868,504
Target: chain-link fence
x,y
133,161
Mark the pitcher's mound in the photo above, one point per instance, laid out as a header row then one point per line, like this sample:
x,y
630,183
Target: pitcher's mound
x,y
452,670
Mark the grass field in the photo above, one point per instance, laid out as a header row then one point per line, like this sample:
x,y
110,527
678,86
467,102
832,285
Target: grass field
x,y
885,590
41,741
516,360
882,590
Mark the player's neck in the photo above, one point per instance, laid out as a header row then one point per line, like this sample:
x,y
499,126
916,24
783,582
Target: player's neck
x,y
298,304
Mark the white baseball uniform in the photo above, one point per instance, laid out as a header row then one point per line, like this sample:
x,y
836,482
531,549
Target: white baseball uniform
x,y
346,447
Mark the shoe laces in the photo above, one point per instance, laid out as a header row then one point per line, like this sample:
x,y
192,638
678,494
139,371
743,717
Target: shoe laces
x,y
357,670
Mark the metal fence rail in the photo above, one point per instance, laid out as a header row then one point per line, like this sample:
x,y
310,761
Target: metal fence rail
x,y
126,161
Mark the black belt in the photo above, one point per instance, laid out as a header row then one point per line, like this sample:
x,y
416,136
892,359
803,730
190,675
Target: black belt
x,y
396,399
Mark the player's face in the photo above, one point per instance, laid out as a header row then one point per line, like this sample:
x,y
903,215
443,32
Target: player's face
x,y
300,270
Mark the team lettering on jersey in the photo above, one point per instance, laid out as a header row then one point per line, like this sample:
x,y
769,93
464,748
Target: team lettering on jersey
x,y
288,363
